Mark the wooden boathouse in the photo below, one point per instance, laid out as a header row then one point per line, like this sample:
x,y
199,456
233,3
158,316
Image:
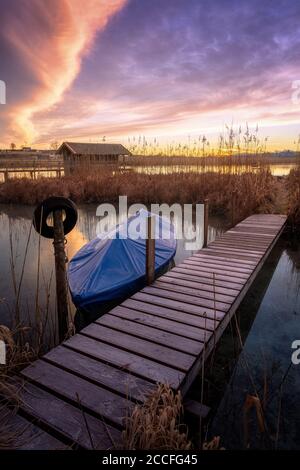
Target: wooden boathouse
x,y
76,152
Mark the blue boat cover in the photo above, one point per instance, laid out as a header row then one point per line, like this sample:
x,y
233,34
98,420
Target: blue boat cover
x,y
111,266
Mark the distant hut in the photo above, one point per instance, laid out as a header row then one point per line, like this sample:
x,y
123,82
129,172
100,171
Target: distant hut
x,y
75,152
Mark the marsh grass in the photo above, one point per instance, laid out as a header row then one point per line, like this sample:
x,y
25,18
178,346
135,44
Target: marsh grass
x,y
252,415
293,192
157,423
254,192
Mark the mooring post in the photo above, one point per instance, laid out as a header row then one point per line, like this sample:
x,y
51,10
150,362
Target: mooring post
x,y
205,234
60,271
150,250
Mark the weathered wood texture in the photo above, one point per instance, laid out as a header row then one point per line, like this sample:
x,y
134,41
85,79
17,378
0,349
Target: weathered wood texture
x,y
80,392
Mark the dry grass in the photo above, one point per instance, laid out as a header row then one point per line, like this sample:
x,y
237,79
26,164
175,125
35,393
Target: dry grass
x,y
17,356
254,192
293,191
156,423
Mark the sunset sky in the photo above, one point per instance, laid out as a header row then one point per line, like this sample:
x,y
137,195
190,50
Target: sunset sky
x,y
80,70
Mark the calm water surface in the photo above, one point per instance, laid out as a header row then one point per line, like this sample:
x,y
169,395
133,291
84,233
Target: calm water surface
x,y
269,321
17,238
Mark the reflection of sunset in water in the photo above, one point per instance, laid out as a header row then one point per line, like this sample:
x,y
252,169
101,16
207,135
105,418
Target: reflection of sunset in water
x,y
277,169
16,220
75,240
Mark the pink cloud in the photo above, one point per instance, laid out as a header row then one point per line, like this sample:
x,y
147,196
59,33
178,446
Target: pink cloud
x,y
52,38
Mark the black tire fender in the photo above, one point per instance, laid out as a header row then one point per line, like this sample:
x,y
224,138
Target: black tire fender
x,y
45,208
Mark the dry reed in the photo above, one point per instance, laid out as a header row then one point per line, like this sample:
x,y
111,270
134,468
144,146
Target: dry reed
x,y
254,192
156,423
293,191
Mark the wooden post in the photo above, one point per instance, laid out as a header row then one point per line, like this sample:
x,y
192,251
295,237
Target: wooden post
x,y
205,235
150,250
61,278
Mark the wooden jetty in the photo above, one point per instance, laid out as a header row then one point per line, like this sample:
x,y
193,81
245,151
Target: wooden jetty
x,y
32,172
78,394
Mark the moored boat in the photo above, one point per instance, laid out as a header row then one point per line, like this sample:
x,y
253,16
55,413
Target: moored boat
x,y
112,266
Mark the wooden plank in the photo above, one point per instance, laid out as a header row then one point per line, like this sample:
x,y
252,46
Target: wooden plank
x,y
231,269
28,436
270,222
247,235
224,260
253,229
215,272
93,398
157,336
130,362
243,243
187,287
66,420
196,409
274,226
213,281
157,352
258,225
237,250
230,254
183,295
249,231
101,374
240,245
161,323
182,317
180,306
191,281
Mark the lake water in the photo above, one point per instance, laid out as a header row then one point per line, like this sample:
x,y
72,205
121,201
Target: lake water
x,y
269,321
17,237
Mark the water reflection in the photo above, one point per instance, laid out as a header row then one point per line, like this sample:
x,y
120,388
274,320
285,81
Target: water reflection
x,y
269,323
17,238
276,169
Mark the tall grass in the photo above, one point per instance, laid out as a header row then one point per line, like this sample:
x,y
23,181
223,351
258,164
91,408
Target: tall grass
x,y
293,195
158,424
253,192
233,140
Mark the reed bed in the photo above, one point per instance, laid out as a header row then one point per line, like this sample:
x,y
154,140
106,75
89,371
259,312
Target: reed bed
x,y
18,355
252,192
156,423
293,195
